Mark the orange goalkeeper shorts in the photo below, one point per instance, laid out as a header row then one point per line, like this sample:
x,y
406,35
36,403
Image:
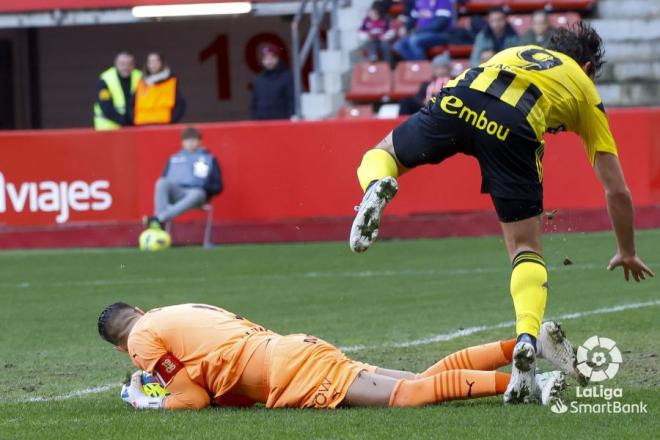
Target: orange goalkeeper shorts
x,y
306,372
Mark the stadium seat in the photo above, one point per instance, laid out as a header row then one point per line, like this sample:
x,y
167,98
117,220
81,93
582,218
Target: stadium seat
x,y
482,6
528,5
408,75
396,9
355,112
459,66
370,82
573,5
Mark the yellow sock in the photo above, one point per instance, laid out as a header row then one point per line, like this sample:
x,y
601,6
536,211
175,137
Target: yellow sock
x,y
529,290
375,165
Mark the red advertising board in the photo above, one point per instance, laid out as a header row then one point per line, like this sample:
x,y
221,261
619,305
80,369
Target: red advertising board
x,y
283,171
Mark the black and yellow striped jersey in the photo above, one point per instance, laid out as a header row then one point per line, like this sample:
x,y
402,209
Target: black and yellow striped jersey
x,y
550,88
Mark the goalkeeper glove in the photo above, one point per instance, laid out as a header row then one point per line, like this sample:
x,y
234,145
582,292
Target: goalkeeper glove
x,y
133,394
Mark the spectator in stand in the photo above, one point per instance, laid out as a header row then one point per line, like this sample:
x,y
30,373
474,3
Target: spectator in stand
x,y
158,99
432,20
191,178
273,88
485,55
540,32
377,33
441,68
497,35
114,93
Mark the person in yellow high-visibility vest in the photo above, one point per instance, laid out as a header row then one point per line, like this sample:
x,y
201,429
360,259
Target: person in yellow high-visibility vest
x,y
114,93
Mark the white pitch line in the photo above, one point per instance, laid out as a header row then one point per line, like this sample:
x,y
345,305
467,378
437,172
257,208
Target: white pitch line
x,y
71,395
479,328
355,348
325,274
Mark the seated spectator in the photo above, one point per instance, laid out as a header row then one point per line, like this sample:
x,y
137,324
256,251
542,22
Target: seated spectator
x,y
540,32
190,179
497,35
485,55
441,67
430,25
114,93
377,33
158,99
272,97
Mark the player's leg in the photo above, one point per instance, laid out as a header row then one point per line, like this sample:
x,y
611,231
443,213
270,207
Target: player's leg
x,y
484,357
427,137
185,199
521,227
372,389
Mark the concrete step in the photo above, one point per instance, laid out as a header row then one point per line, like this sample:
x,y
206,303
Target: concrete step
x,y
627,29
320,105
630,94
646,50
628,9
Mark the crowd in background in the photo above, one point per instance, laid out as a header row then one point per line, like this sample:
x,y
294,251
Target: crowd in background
x,y
126,96
428,23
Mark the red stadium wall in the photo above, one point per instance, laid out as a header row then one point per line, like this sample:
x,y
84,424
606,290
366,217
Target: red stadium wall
x,y
286,181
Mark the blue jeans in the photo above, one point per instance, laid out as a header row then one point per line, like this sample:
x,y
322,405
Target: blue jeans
x,y
373,46
414,46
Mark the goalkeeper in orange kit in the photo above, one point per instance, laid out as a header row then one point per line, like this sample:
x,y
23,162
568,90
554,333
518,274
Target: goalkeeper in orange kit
x,y
206,355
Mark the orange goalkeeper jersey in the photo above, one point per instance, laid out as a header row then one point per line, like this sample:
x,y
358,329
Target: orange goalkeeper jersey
x,y
209,342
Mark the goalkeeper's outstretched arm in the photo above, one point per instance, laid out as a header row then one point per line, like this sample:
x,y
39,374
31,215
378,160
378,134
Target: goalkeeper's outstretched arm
x,y
184,393
620,209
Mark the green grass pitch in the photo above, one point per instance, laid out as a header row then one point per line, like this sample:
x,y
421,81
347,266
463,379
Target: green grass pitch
x,y
375,304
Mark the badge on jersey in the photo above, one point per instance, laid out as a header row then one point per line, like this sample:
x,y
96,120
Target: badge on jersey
x,y
166,368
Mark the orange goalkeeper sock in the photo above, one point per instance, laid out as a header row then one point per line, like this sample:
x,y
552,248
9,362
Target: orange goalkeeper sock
x,y
448,385
482,357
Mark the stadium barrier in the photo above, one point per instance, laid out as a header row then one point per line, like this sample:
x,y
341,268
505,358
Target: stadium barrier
x,y
287,181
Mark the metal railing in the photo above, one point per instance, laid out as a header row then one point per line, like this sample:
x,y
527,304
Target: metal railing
x,y
317,10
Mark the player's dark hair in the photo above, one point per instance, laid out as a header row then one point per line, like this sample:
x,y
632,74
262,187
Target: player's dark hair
x,y
191,133
582,43
107,321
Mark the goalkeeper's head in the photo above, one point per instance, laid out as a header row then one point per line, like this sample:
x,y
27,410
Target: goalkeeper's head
x,y
116,322
582,43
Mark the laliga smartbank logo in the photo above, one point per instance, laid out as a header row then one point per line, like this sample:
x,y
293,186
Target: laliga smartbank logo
x,y
57,197
599,360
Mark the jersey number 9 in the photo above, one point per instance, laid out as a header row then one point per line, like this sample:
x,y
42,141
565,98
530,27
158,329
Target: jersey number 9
x,y
539,59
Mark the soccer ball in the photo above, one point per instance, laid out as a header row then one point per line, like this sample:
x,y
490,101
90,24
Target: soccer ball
x,y
154,240
151,386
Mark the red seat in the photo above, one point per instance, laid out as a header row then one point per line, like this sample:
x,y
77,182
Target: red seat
x,y
521,23
528,5
482,6
396,9
460,50
564,19
408,75
573,5
455,50
459,66
355,112
370,82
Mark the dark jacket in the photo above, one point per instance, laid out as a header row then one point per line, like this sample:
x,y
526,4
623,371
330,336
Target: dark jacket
x,y
487,41
273,94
